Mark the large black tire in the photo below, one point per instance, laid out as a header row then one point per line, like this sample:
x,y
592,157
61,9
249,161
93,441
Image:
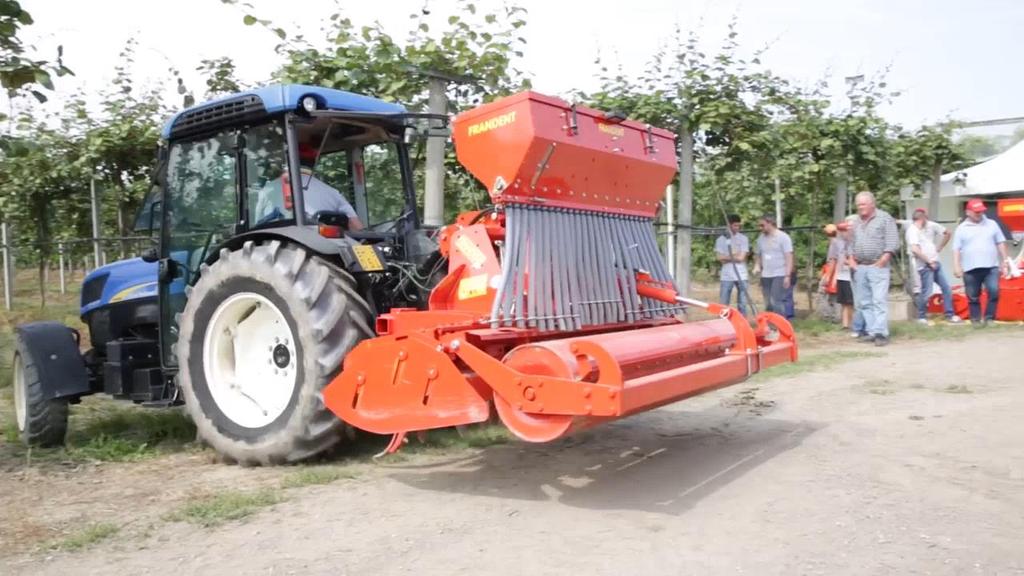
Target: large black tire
x,y
41,421
327,317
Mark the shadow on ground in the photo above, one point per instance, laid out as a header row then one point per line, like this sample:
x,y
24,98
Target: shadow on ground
x,y
664,461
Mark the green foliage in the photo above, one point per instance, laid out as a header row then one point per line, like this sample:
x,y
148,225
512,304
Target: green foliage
x,y
19,72
750,127
979,147
220,76
473,49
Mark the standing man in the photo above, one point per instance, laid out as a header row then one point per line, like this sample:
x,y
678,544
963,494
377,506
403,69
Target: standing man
x,y
732,248
926,240
774,261
875,240
980,257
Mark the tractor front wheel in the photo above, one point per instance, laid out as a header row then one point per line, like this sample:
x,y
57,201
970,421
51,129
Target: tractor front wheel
x,y
41,421
264,330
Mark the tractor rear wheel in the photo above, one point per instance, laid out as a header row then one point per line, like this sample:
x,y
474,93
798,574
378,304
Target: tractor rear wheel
x,y
41,421
264,330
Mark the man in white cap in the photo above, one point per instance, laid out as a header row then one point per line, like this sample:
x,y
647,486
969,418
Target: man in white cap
x,y
980,257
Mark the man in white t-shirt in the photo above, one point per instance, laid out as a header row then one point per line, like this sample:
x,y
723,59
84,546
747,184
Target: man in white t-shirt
x,y
732,249
926,240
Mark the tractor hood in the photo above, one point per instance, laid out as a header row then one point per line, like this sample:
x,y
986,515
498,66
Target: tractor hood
x,y
117,282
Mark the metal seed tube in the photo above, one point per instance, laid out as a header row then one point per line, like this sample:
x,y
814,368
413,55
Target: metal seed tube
x,y
567,268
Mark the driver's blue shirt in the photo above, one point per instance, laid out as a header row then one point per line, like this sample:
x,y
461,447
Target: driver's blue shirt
x,y
316,195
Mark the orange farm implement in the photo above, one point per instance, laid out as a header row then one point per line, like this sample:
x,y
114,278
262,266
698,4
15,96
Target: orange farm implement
x,y
557,309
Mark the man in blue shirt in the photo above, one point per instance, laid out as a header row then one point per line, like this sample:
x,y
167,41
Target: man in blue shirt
x,y
979,257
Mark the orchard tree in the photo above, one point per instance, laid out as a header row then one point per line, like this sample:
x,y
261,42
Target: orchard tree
x,y
120,142
18,70
40,178
477,46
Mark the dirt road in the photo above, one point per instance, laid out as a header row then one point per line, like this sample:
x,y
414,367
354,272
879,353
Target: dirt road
x,y
909,462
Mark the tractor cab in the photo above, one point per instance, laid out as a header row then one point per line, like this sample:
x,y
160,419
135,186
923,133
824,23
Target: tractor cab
x,y
227,178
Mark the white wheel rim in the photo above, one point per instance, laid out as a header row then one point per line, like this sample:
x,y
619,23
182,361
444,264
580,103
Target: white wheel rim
x,y
20,394
249,360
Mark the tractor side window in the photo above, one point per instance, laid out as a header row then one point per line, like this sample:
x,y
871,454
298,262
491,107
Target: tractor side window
x,y
385,197
268,192
201,181
200,212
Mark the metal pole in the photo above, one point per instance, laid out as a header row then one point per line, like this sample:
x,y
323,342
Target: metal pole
x,y
670,243
8,277
95,221
60,263
685,234
433,203
778,202
839,203
935,191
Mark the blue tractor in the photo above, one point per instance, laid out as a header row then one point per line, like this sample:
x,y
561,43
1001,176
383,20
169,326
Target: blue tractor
x,y
287,221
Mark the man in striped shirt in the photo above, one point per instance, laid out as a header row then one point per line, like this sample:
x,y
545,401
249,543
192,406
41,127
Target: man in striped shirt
x,y
875,240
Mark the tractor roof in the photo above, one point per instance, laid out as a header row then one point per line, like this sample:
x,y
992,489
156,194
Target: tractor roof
x,y
252,105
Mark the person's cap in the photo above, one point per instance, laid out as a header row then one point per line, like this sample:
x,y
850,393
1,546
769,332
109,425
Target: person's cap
x,y
830,229
308,152
920,212
975,205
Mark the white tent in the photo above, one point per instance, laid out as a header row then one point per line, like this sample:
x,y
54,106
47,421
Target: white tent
x,y
1002,174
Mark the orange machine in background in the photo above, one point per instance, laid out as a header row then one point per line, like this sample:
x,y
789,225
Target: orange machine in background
x,y
557,310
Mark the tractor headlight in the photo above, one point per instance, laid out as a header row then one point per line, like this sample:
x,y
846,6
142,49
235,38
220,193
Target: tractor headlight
x,y
309,103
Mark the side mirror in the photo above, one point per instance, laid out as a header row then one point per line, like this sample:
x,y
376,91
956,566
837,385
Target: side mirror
x,y
331,224
150,255
166,271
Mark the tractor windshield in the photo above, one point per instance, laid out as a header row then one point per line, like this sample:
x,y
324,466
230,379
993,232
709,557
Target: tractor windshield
x,y
361,163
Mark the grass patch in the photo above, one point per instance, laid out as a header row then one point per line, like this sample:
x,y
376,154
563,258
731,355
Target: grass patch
x,y
479,436
957,389
940,331
814,327
815,362
107,430
316,475
87,536
216,509
110,431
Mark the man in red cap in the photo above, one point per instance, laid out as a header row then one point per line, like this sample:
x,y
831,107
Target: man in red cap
x,y
979,257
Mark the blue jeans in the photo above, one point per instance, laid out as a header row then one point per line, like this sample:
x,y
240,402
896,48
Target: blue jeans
x,y
929,277
788,302
871,294
973,281
725,294
774,293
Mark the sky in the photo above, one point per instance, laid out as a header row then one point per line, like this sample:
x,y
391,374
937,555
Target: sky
x,y
948,58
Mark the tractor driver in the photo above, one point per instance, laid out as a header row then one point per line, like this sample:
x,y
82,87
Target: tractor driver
x,y
317,196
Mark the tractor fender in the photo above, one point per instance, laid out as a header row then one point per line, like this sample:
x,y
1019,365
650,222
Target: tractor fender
x,y
54,346
332,249
304,236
